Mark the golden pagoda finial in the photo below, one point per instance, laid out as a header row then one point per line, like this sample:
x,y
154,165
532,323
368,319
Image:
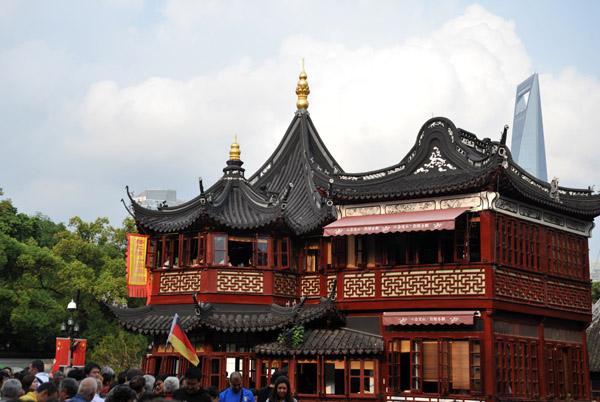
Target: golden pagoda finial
x,y
302,90
234,152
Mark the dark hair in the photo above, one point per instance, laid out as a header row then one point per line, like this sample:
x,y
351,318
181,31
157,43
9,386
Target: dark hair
x,y
132,372
137,383
38,365
89,367
212,391
48,386
121,393
147,396
161,377
193,372
274,376
121,377
288,397
77,374
70,386
27,381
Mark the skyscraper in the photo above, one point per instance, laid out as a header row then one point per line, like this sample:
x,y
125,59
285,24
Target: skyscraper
x,y
527,147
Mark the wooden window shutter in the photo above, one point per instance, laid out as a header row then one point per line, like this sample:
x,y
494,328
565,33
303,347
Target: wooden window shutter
x,y
430,361
460,365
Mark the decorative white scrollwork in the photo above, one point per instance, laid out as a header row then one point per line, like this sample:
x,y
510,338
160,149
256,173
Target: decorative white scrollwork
x,y
436,162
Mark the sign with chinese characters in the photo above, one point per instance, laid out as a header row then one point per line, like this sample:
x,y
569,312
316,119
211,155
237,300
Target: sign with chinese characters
x,y
137,274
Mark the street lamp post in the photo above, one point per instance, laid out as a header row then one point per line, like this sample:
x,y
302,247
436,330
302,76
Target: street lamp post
x,y
71,328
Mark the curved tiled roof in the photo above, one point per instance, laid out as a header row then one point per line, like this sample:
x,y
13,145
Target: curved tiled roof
x,y
448,160
330,341
281,191
157,319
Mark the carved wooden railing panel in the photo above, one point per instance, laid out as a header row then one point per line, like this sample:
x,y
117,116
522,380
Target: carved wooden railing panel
x,y
433,282
187,281
240,281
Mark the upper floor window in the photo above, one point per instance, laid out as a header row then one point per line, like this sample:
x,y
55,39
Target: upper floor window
x,y
220,249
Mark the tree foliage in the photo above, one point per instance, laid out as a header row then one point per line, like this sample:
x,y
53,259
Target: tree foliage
x,y
44,265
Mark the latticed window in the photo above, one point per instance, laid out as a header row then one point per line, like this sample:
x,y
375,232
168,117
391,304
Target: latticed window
x,y
567,255
519,243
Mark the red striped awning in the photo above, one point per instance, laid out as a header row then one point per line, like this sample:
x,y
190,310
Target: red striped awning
x,y
428,317
438,219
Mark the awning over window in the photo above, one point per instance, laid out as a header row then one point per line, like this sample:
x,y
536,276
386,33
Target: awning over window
x,y
428,317
439,219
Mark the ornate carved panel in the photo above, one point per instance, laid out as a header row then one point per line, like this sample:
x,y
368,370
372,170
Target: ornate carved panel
x,y
359,285
518,285
569,296
179,281
285,284
311,285
239,281
430,282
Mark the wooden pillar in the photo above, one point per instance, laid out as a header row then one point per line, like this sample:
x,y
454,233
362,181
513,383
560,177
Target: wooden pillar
x,y
488,369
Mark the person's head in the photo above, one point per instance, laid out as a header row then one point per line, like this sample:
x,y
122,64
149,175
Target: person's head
x,y
132,372
282,390
30,383
193,375
77,374
274,377
92,370
171,384
137,383
122,377
46,391
121,393
36,366
213,392
149,385
57,377
12,389
107,374
88,387
3,377
68,389
235,381
159,384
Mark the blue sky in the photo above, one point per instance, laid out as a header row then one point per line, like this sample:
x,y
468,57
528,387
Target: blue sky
x,y
98,95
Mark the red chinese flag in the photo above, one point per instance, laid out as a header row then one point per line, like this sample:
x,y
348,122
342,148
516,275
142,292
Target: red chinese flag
x,y
79,352
181,343
62,353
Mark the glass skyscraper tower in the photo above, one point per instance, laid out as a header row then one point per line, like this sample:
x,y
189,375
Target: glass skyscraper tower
x,y
527,147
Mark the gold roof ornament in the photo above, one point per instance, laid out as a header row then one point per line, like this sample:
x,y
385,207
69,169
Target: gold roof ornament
x,y
302,90
234,152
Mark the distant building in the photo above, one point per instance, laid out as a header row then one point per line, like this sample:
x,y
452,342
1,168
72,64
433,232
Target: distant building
x,y
595,271
153,199
527,147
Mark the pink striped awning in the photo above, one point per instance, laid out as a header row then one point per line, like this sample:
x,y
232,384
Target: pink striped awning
x,y
428,317
438,219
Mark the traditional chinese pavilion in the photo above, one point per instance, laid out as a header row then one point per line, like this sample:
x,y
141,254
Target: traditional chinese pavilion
x,y
453,275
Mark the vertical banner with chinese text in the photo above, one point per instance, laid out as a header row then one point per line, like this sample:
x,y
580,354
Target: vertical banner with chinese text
x,y
137,274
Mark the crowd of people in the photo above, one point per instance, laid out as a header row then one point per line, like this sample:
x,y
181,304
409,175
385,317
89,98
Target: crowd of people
x,y
96,384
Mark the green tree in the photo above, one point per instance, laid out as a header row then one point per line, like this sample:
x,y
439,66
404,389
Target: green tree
x,y
595,292
44,265
120,351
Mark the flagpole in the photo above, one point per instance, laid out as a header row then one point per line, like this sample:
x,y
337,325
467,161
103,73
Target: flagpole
x,y
164,356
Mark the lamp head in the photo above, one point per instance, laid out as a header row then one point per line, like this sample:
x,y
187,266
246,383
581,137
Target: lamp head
x,y
72,306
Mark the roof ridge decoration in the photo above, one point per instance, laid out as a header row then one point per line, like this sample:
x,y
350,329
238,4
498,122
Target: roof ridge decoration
x,y
302,90
234,151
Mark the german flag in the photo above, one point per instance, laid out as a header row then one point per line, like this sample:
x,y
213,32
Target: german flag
x,y
181,343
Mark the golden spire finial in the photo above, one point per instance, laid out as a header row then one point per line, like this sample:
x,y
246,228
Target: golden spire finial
x,y
234,152
302,90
